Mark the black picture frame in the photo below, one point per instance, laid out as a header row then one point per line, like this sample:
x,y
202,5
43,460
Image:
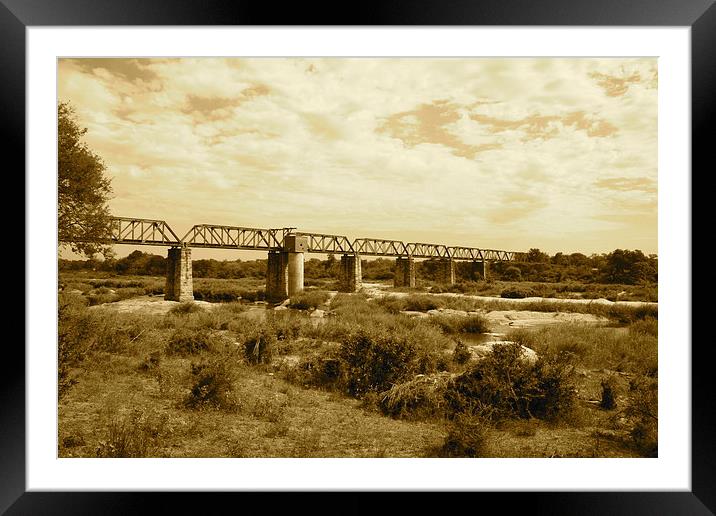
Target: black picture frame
x,y
700,15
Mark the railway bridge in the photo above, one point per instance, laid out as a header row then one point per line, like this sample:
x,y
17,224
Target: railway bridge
x,y
286,249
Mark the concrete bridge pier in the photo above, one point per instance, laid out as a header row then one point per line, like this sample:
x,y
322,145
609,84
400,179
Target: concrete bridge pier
x,y
295,273
446,271
351,278
179,285
277,276
284,271
404,272
481,268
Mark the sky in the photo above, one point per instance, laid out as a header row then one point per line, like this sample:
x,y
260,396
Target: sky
x,y
555,154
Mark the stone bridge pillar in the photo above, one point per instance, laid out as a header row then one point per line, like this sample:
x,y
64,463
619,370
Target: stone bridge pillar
x,y
179,285
481,268
404,272
277,276
351,278
446,271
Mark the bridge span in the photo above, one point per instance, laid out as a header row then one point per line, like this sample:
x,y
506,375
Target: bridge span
x,y
286,248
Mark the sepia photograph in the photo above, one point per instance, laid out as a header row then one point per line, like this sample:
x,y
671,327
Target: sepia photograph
x,y
357,257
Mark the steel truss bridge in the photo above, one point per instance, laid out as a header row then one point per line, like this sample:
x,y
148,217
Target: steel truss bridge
x,y
127,230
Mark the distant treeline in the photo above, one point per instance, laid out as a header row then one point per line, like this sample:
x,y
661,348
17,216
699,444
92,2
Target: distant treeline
x,y
620,266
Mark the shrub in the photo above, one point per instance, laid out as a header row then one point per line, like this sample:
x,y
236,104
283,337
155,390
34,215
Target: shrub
x,y
609,393
461,354
132,436
316,370
467,437
211,384
502,385
512,274
645,326
258,347
421,303
252,295
460,324
308,299
151,362
188,341
515,293
74,338
187,307
420,398
642,412
376,359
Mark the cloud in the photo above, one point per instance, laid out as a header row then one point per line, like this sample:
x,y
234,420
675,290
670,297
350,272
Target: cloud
x,y
626,184
513,153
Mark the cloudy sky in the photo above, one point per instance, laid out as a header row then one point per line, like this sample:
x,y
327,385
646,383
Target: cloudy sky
x,y
559,154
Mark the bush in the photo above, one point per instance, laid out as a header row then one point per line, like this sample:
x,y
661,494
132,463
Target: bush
x,y
376,359
460,324
258,347
503,386
467,437
461,354
645,326
188,341
642,412
308,300
187,307
74,338
151,362
132,436
512,273
609,393
211,385
252,295
515,293
325,371
420,398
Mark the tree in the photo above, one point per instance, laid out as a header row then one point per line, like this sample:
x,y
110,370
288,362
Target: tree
x,y
83,218
534,255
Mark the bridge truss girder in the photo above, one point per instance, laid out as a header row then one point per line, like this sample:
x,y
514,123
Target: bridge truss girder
x,y
329,244
379,247
126,230
234,237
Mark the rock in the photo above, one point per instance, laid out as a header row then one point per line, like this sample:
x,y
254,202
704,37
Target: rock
x,y
285,302
318,313
280,307
482,350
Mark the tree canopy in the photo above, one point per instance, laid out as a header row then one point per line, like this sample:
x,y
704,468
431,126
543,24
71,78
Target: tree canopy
x,y
83,189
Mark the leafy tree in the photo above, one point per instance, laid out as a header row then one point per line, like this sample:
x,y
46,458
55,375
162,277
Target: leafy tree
x,y
629,267
83,190
536,256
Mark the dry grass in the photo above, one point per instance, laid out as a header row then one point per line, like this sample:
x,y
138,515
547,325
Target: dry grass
x,y
129,396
